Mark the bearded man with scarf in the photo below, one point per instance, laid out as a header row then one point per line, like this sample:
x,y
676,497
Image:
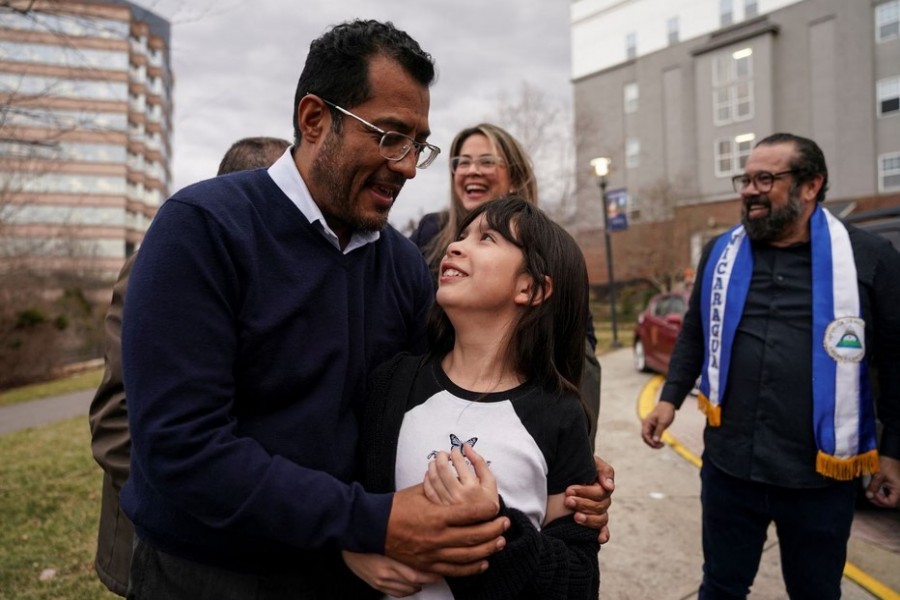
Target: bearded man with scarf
x,y
794,316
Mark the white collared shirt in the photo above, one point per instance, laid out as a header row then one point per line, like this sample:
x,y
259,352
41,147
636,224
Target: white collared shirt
x,y
286,176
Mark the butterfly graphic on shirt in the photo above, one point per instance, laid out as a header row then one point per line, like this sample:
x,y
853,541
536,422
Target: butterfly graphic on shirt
x,y
455,442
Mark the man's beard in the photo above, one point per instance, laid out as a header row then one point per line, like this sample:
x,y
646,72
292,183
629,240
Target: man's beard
x,y
776,224
336,177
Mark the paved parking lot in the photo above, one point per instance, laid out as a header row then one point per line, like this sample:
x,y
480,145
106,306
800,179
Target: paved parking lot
x,y
655,548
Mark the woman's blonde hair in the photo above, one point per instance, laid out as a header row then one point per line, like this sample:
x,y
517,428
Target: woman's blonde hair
x,y
521,179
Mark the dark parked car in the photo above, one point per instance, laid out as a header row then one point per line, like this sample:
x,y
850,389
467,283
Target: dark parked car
x,y
883,221
656,329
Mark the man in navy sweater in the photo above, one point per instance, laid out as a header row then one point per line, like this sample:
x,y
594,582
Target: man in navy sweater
x,y
257,305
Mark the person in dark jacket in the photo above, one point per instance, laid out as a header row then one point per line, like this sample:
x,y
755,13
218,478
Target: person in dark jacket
x,y
792,310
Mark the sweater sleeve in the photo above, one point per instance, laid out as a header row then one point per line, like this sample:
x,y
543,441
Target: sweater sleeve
x,y
558,562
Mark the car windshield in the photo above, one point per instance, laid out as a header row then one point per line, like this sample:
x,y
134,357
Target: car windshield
x,y
670,305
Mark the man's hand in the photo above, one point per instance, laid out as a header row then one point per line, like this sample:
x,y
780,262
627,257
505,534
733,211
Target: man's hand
x,y
884,489
591,502
656,422
447,540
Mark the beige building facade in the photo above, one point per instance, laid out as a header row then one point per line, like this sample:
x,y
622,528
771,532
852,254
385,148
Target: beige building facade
x,y
677,92
85,133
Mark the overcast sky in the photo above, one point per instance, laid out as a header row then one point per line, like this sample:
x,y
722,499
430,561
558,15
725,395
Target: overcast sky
x,y
236,65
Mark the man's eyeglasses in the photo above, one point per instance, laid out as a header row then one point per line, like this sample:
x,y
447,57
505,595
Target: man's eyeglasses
x,y
484,164
762,181
395,146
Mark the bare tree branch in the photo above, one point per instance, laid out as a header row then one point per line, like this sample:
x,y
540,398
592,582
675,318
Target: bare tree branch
x,y
544,127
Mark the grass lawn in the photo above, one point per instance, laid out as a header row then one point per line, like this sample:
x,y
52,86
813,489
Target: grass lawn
x,y
603,331
49,507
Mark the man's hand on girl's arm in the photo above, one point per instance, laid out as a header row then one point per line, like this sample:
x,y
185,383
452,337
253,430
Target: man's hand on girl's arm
x,y
591,502
447,540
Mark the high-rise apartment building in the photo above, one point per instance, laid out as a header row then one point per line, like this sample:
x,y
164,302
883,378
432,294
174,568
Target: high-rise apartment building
x,y
85,130
677,92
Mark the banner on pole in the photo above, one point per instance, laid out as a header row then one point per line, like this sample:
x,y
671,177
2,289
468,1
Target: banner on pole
x,y
617,209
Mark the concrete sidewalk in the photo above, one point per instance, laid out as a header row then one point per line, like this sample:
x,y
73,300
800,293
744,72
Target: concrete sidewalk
x,y
655,550
45,411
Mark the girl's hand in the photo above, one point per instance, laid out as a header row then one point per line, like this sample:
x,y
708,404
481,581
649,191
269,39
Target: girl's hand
x,y
387,575
454,480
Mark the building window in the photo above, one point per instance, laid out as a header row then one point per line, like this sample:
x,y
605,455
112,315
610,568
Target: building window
x,y
751,9
65,25
887,21
889,172
631,46
632,152
724,158
889,96
631,93
56,183
733,87
726,12
37,85
731,154
67,119
65,56
67,151
672,28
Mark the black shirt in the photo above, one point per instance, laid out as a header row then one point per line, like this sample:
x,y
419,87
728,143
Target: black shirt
x,y
766,433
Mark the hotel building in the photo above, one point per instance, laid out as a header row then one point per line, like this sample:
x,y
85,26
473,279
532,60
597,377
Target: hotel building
x,y
85,133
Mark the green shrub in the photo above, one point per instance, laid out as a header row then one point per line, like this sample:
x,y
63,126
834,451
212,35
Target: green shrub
x,y
30,317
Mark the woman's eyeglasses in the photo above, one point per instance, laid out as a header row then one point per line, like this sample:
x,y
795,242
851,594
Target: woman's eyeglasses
x,y
483,164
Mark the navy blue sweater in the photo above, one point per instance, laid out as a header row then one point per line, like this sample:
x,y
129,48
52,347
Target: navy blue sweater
x,y
247,339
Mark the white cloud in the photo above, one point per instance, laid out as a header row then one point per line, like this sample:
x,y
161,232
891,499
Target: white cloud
x,y
236,65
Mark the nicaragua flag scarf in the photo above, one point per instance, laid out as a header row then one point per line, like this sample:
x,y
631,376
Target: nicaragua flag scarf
x,y
843,413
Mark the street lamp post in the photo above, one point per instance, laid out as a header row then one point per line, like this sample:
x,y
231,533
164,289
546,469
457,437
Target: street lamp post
x,y
601,170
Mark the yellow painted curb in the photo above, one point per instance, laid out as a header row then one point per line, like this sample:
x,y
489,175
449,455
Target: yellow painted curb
x,y
869,583
646,402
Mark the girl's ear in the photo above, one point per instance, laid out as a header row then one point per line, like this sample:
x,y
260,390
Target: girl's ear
x,y
526,285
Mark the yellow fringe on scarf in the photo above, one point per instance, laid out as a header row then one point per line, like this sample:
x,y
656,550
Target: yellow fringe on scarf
x,y
713,413
843,469
846,469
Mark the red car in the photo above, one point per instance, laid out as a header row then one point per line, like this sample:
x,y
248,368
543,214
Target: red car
x,y
656,329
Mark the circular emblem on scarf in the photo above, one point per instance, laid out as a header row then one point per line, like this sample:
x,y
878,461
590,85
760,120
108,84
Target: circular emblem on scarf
x,y
845,339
